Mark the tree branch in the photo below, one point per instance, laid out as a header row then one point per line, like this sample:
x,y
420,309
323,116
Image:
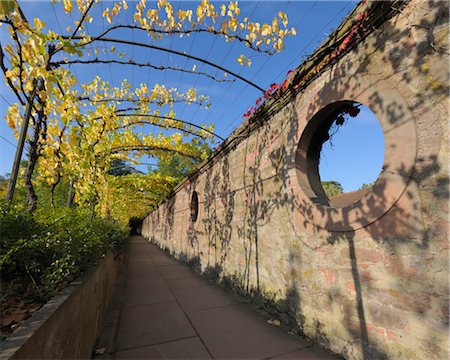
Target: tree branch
x,y
150,148
133,63
86,98
161,126
19,45
184,32
148,46
5,69
165,118
82,18
120,113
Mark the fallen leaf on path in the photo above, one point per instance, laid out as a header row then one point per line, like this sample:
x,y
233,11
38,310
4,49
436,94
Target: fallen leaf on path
x,y
99,351
274,322
15,326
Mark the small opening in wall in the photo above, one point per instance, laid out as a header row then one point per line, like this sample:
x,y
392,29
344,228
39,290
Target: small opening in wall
x,y
341,153
194,206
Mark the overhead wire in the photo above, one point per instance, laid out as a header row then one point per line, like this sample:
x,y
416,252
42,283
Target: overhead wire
x,y
226,56
9,142
172,36
299,55
6,100
132,57
302,52
149,61
92,51
201,70
189,52
262,66
61,32
106,52
73,19
223,61
295,26
185,65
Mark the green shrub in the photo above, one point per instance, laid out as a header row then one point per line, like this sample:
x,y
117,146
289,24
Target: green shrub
x,y
53,246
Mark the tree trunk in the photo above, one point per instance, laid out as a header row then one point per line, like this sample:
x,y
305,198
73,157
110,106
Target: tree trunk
x,y
71,194
32,157
52,190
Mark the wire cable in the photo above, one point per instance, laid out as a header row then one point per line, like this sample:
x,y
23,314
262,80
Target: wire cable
x,y
9,142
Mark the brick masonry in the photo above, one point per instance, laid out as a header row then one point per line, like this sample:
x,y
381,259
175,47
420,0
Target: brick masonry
x,y
367,281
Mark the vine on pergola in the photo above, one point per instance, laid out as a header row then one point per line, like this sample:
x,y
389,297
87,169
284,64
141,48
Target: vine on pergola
x,y
79,129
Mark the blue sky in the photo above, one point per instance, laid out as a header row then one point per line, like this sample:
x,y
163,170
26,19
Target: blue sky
x,y
314,20
355,155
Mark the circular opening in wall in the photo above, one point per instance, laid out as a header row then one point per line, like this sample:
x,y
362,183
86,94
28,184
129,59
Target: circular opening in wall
x,y
340,154
194,206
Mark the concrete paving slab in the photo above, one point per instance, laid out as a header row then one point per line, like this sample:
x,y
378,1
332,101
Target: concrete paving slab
x,y
167,311
191,348
309,353
146,294
141,281
176,271
198,298
139,258
152,324
142,271
162,259
190,282
237,332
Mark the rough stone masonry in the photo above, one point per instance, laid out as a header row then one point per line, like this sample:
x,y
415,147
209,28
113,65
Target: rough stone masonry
x,y
369,280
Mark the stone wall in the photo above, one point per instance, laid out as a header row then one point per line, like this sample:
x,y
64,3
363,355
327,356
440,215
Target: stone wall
x,y
366,281
68,325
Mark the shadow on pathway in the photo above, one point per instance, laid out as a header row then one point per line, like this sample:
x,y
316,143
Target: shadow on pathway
x,y
164,310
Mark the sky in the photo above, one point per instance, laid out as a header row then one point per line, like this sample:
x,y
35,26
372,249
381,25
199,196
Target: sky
x,y
355,154
313,20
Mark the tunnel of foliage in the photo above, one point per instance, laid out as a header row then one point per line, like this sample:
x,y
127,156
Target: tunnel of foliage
x,y
79,188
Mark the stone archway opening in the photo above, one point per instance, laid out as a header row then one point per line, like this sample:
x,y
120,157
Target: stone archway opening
x,y
343,150
194,207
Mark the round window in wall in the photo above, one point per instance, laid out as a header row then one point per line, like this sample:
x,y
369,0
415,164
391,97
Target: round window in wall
x,y
340,154
194,206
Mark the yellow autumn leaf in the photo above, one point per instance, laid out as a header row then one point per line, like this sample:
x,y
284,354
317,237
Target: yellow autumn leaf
x,y
39,24
68,6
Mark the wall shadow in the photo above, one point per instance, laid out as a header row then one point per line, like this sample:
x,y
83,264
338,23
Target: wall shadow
x,y
407,244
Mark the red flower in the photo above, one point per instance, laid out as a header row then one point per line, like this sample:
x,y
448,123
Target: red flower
x,y
346,41
249,112
273,86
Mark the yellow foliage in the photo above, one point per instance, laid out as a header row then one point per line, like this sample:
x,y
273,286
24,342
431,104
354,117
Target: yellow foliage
x,y
82,138
68,6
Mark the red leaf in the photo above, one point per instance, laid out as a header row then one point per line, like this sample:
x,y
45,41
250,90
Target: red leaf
x,y
353,111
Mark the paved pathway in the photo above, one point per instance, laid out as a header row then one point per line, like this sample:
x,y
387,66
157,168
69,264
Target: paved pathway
x,y
164,310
